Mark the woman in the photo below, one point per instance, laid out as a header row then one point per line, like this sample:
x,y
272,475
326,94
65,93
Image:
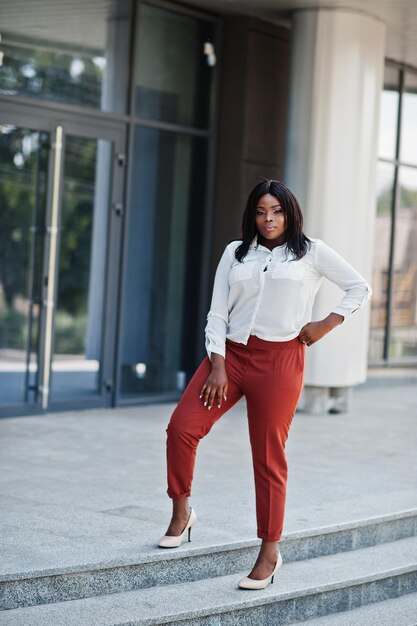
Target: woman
x,y
256,335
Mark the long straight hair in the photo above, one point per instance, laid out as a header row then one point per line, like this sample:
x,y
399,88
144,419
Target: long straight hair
x,y
296,241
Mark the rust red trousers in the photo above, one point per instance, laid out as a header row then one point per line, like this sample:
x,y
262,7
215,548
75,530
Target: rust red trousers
x,y
270,374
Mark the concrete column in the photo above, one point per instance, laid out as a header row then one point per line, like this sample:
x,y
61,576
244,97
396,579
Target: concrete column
x,y
337,64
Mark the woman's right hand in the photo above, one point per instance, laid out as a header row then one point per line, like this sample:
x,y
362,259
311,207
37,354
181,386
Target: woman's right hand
x,y
216,383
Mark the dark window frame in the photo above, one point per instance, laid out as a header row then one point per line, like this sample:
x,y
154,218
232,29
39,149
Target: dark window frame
x,y
210,134
396,162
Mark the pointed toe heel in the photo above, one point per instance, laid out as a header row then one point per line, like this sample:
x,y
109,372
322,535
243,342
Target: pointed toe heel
x,y
173,541
251,583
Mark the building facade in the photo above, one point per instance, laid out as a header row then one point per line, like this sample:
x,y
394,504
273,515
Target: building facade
x,y
130,135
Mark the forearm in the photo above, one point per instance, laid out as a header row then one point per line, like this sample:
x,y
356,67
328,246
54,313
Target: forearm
x,y
217,361
332,320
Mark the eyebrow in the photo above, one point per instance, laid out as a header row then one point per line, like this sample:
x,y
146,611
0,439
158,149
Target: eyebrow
x,y
259,206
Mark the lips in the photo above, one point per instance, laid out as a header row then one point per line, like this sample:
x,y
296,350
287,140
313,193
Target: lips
x,y
269,228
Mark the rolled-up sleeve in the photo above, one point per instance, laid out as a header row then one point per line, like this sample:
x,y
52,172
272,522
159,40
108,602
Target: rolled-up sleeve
x,y
218,315
334,267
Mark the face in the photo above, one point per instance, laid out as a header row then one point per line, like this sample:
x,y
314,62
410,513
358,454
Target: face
x,y
270,219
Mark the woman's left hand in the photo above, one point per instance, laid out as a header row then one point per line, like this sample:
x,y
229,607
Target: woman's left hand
x,y
313,331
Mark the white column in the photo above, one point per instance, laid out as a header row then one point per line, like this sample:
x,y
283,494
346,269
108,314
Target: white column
x,y
336,79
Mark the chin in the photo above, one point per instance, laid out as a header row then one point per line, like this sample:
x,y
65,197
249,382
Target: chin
x,y
273,235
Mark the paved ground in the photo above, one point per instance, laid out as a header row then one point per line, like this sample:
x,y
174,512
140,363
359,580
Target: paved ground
x,y
90,486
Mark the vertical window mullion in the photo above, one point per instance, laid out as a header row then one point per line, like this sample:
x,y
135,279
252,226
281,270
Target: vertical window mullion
x,y
395,199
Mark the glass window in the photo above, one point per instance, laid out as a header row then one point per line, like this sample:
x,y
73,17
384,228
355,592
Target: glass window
x,y
408,145
388,114
383,224
160,338
174,69
404,299
67,52
395,337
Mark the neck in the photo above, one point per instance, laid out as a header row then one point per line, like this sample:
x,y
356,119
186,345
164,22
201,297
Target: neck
x,y
270,244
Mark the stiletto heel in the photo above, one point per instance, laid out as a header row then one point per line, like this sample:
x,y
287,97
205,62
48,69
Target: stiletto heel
x,y
252,583
173,541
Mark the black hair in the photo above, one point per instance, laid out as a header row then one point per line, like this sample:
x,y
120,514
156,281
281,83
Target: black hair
x,y
297,242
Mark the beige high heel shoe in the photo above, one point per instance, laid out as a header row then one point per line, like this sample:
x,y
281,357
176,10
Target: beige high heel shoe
x,y
251,583
173,541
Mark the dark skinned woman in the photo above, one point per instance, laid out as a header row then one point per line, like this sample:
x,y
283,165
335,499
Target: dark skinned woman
x,y
258,328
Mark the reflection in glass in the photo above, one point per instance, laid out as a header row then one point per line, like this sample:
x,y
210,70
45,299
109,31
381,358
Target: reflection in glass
x,y
408,145
403,337
23,182
164,247
81,268
388,113
77,57
173,75
51,75
380,271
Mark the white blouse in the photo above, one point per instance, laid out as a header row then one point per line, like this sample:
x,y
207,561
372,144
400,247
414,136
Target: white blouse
x,y
272,297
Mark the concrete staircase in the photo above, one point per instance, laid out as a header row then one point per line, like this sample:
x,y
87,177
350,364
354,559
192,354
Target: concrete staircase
x,y
357,573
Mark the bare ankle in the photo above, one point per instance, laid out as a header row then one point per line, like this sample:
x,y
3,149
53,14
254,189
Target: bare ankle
x,y
180,508
268,550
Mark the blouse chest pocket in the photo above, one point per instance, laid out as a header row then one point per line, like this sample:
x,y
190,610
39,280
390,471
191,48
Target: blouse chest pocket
x,y
242,271
290,271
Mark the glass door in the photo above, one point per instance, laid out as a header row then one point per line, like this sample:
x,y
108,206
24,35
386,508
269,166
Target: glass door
x,y
24,179
60,216
81,258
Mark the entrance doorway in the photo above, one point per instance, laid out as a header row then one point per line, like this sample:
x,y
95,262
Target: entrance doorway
x,y
61,208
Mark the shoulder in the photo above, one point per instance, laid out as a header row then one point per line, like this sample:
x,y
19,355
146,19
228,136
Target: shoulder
x,y
228,253
319,252
233,245
319,246
324,254
311,250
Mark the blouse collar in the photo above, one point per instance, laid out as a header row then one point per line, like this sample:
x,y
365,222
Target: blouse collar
x,y
255,245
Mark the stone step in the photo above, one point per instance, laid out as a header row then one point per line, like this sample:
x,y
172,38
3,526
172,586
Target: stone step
x,y
157,567
401,611
302,590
